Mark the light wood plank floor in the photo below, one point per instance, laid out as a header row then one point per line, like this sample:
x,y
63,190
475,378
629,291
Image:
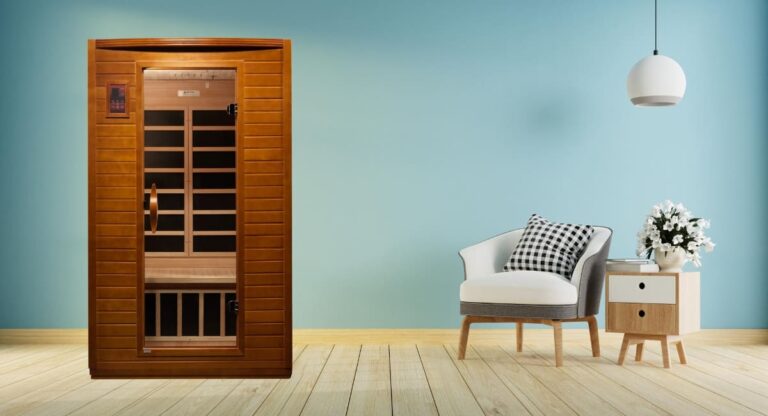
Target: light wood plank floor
x,y
410,378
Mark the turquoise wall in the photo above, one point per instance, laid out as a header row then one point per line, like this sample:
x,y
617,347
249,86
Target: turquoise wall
x,y
419,128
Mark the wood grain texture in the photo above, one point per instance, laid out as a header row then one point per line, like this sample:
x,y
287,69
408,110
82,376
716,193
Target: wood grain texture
x,y
656,319
372,392
535,396
331,393
411,393
289,396
450,391
571,391
116,216
491,394
675,318
713,401
52,380
618,396
662,398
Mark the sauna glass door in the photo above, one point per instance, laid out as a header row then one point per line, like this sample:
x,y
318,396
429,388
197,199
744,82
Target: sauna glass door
x,y
190,217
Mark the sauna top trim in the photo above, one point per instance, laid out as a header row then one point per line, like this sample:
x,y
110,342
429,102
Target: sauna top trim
x,y
157,43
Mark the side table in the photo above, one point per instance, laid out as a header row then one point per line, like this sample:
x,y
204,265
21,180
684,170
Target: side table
x,y
659,306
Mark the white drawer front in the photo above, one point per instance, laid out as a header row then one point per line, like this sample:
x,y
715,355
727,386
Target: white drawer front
x,y
642,289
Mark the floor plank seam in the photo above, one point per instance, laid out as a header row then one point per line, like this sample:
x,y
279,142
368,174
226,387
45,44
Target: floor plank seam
x,y
180,398
42,403
325,363
391,394
354,377
749,350
256,410
622,386
650,381
594,371
554,393
494,379
717,392
421,362
737,361
741,357
500,377
38,362
650,365
763,392
134,401
48,370
97,398
466,383
225,396
546,360
26,355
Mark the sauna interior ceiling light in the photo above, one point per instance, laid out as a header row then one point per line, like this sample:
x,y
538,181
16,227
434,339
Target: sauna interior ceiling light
x,y
656,80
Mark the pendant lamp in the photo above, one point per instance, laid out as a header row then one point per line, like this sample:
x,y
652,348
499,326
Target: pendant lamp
x,y
656,80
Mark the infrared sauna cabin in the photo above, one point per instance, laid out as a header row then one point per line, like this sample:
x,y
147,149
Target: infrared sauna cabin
x,y
189,207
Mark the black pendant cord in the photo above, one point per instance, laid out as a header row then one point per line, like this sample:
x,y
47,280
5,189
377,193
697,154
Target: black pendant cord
x,y
655,27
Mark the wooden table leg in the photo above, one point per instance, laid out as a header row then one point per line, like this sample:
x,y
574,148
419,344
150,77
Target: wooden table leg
x,y
681,352
639,351
623,351
665,351
519,333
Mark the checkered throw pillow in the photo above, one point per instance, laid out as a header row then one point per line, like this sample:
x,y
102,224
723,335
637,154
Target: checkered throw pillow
x,y
549,247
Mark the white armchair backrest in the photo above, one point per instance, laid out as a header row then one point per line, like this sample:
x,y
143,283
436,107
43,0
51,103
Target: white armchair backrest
x,y
598,240
489,256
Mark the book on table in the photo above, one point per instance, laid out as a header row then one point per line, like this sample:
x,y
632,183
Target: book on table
x,y
631,265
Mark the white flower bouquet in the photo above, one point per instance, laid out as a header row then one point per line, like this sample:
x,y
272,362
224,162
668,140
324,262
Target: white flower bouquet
x,y
671,227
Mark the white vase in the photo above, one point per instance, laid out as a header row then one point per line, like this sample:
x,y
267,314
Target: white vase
x,y
670,261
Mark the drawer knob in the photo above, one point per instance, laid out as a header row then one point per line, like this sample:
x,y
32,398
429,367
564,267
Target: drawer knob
x,y
642,285
641,313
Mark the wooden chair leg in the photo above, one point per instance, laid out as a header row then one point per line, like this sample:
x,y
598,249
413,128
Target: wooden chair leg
x,y
665,351
681,352
639,351
464,336
519,333
558,343
593,337
623,351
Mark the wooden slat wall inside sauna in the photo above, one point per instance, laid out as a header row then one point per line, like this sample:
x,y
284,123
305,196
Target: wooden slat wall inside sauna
x,y
264,194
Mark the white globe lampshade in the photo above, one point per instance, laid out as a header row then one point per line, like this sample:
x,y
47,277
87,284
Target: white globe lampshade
x,y
656,81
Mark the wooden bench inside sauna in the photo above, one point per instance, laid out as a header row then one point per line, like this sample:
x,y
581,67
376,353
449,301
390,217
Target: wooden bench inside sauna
x,y
190,208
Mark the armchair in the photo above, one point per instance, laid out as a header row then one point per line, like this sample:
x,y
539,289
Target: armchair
x,y
489,294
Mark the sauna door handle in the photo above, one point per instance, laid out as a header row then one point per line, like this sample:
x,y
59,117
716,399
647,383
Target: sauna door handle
x,y
233,306
153,209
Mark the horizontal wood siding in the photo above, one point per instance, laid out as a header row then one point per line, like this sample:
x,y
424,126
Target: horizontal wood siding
x,y
266,208
264,188
113,193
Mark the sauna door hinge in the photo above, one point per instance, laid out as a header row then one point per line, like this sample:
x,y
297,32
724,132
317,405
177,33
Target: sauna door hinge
x,y
233,306
232,109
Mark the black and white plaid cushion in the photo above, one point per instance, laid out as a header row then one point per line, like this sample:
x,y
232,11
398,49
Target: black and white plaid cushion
x,y
549,247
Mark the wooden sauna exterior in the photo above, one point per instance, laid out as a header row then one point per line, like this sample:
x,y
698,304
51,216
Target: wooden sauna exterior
x,y
116,209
